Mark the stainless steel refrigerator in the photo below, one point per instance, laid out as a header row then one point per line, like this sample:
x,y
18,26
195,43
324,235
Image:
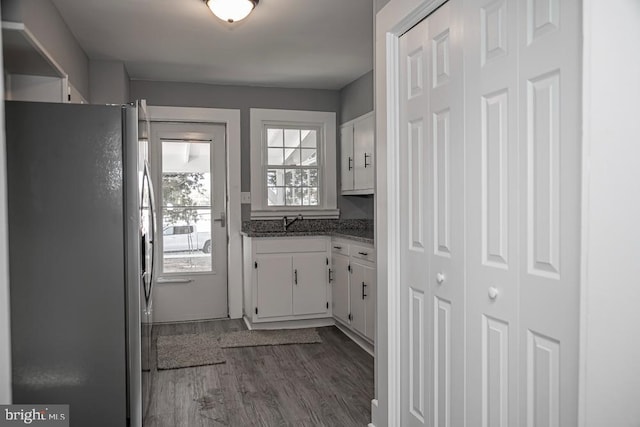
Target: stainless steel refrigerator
x,y
80,259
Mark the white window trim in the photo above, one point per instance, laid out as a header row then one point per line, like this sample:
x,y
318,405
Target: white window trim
x,y
326,121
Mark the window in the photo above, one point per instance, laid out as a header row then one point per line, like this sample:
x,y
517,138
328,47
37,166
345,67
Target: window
x,y
186,206
293,163
292,166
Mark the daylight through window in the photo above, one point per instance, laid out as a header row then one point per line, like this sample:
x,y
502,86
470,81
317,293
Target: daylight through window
x,y
293,166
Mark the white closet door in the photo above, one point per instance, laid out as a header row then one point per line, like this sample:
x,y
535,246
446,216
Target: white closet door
x,y
549,129
432,232
492,212
447,252
415,233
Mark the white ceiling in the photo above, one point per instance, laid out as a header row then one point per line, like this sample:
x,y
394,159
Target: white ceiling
x,y
321,44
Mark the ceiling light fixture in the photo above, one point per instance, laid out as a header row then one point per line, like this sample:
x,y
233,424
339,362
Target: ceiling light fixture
x,y
231,10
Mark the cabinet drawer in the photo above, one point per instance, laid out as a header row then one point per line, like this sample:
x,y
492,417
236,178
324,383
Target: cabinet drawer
x,y
363,252
295,245
340,248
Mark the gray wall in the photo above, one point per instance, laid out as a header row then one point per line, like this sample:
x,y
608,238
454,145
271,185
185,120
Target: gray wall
x,y
42,18
109,82
356,99
244,98
5,330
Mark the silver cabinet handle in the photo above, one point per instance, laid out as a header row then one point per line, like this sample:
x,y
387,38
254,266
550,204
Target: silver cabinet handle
x,y
330,275
350,163
337,247
364,253
366,156
295,275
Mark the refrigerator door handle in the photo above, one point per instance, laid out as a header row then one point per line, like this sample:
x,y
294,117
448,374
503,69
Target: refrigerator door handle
x,y
152,239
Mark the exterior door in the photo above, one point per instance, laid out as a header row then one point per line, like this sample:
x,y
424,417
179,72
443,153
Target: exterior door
x,y
432,230
189,167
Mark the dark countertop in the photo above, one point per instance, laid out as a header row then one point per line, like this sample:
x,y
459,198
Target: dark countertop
x,y
359,234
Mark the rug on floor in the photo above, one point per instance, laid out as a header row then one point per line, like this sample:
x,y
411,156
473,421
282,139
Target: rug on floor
x,y
255,338
184,351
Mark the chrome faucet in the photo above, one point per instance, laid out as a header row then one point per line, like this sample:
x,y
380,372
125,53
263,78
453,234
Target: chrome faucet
x,y
286,223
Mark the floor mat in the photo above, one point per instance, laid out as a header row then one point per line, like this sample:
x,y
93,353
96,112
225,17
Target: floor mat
x,y
184,351
256,338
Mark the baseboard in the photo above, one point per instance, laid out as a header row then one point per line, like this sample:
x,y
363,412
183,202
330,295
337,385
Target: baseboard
x,y
290,324
374,413
364,344
312,323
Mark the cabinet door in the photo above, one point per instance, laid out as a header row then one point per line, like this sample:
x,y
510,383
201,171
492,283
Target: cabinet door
x,y
310,272
363,145
347,166
370,302
274,280
340,282
358,290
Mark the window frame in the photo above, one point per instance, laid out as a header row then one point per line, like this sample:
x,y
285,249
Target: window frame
x,y
318,166
325,123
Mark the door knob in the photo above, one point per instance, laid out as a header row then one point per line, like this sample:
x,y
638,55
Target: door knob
x,y
493,292
440,278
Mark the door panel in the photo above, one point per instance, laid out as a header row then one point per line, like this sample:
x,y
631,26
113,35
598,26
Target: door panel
x,y
492,214
432,234
273,276
416,235
340,264
549,199
189,166
310,283
447,281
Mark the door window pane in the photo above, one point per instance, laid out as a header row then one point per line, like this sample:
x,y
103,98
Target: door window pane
x,y
186,207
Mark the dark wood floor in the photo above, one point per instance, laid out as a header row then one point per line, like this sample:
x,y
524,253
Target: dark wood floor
x,y
328,384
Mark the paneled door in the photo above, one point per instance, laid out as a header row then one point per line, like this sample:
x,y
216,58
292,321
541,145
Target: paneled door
x,y
189,164
492,214
523,191
432,226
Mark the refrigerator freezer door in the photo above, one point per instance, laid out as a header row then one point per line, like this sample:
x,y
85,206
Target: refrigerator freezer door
x,y
67,270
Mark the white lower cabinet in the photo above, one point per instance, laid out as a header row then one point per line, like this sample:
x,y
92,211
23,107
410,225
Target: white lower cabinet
x,y
354,286
290,279
310,272
340,280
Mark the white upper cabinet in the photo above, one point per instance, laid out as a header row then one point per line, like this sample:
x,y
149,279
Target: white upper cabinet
x,y
357,154
346,166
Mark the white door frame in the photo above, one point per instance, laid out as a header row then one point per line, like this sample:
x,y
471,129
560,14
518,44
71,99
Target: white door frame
x,y
396,18
231,119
